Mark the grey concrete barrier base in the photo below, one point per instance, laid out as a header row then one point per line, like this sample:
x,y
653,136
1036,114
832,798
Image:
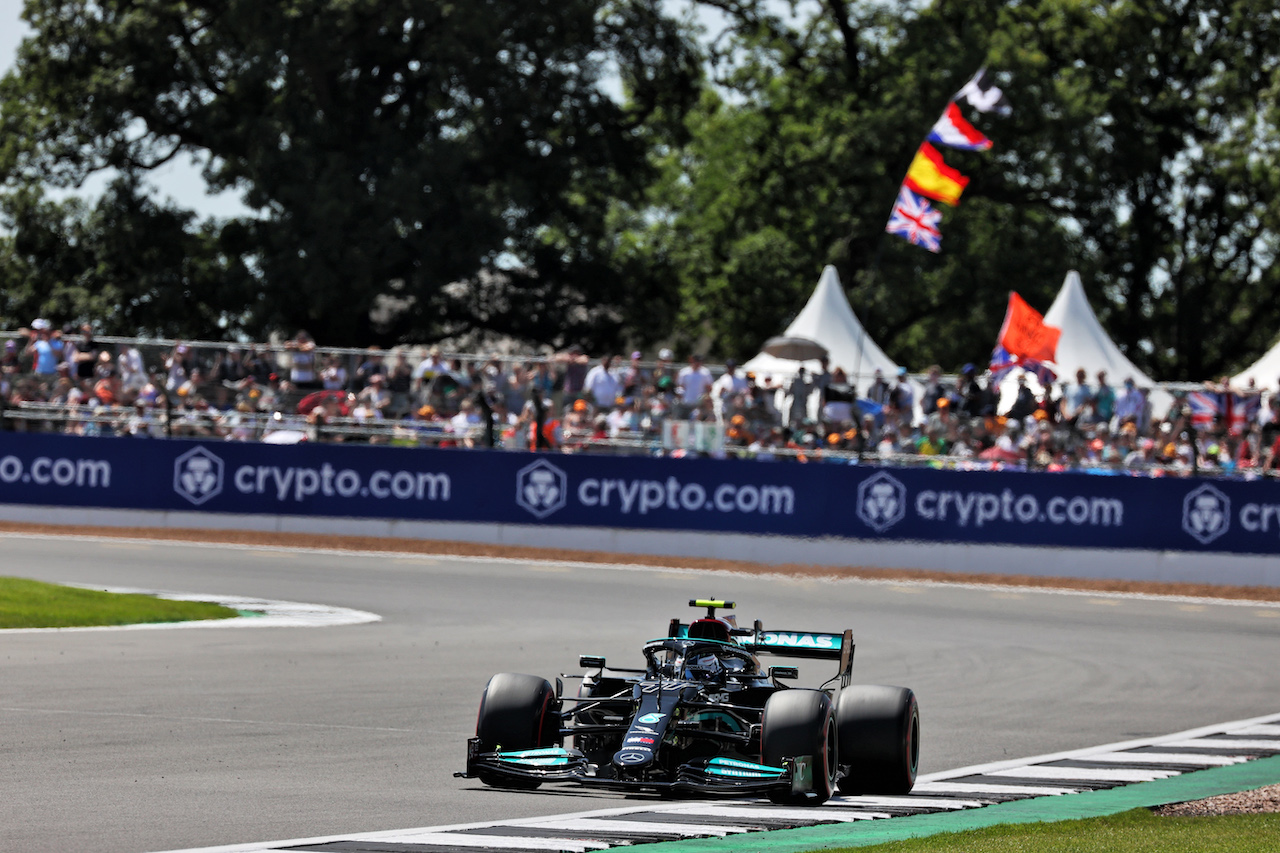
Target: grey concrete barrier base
x,y
1083,562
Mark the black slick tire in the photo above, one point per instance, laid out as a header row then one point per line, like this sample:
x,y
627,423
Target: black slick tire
x,y
879,731
795,723
516,712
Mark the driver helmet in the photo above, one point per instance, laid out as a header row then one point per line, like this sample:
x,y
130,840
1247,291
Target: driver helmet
x,y
704,668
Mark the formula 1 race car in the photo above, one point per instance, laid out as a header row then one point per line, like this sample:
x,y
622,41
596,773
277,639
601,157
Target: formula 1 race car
x,y
703,717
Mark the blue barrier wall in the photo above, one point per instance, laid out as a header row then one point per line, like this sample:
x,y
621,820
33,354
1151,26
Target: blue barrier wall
x,y
731,496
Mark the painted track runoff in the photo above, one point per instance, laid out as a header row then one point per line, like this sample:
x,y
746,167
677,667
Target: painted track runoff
x,y
1063,774
132,741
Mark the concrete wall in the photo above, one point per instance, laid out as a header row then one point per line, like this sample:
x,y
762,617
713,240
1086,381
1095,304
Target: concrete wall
x,y
1091,563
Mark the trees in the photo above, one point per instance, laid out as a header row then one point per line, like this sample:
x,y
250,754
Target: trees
x,y
394,148
465,165
1155,135
1141,152
796,163
127,262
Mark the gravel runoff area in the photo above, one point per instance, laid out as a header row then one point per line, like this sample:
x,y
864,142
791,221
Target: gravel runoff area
x,y
1261,800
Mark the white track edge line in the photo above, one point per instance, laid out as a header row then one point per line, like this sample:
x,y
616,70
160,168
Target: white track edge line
x,y
980,769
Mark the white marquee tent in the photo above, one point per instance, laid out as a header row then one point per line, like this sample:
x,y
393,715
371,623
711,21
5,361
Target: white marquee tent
x,y
1262,372
828,319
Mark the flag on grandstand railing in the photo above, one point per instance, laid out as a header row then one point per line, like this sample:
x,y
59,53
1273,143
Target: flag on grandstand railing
x,y
1003,361
1025,334
870,407
953,131
1242,410
1205,408
916,220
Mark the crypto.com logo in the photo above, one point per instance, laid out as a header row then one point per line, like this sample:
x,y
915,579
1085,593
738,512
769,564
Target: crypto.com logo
x,y
1206,514
197,475
541,488
882,501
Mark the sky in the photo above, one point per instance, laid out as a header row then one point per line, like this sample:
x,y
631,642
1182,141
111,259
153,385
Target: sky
x,y
179,180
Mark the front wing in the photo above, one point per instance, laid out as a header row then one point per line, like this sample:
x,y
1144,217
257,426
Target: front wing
x,y
718,776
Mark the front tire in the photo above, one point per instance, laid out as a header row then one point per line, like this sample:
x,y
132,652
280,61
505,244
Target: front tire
x,y
516,712
801,722
879,729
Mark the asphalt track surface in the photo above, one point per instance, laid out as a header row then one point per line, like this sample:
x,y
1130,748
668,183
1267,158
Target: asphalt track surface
x,y
153,740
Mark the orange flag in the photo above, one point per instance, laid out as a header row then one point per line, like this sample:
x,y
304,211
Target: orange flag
x,y
931,177
1025,334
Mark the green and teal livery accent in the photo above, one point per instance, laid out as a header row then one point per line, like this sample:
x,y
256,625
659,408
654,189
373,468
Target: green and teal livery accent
x,y
743,769
553,756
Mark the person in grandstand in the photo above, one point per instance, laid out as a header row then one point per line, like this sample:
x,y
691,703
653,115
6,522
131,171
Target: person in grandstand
x,y
879,390
1077,401
1104,400
978,401
692,382
45,348
375,396
798,398
304,371
601,384
905,395
934,390
573,365
1131,404
838,400
730,386
634,377
1024,403
371,365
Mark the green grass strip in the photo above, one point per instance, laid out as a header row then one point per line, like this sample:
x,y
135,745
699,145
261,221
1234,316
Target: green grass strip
x,y
1136,831
1089,804
33,604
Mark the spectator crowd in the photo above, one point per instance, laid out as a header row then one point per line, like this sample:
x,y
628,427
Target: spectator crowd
x,y
67,380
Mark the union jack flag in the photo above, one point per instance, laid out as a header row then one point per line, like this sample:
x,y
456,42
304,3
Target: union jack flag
x,y
916,220
1002,362
1242,410
1205,408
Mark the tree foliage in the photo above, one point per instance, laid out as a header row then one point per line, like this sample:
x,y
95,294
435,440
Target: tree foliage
x,y
1141,151
126,262
395,148
466,164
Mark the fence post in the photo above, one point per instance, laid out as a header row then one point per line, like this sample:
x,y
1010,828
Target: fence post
x,y
540,417
487,410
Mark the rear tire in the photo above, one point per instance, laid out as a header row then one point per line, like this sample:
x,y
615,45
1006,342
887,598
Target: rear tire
x,y
879,729
517,712
801,722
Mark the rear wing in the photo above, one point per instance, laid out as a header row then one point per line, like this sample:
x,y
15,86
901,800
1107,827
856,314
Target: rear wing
x,y
800,644
795,644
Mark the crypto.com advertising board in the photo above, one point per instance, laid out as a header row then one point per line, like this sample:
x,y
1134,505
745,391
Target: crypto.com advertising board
x,y
728,496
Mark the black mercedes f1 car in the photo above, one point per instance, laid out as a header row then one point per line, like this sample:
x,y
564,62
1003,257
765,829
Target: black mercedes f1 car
x,y
703,717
